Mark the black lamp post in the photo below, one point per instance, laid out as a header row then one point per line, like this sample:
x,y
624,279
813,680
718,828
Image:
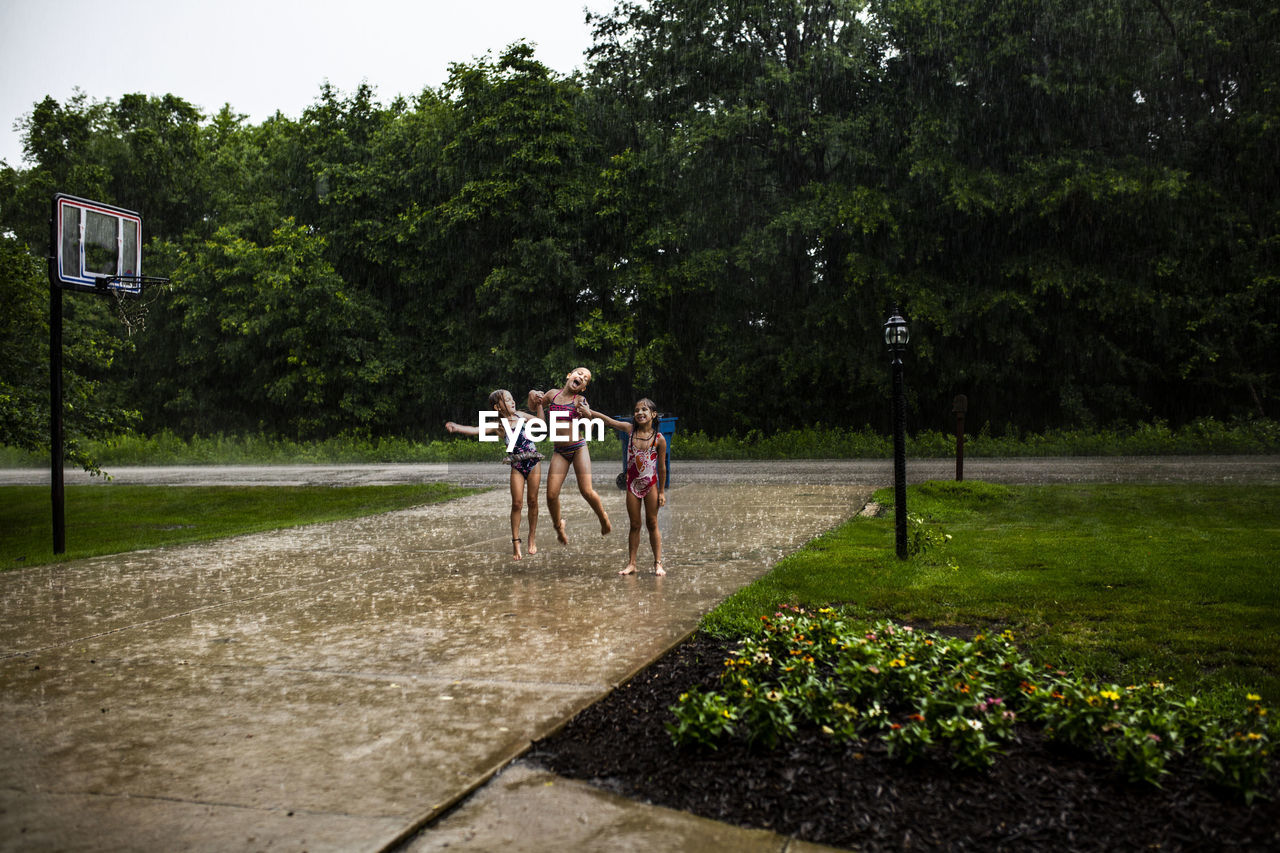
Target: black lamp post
x,y
896,335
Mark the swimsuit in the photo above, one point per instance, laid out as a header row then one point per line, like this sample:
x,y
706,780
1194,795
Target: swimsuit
x,y
524,455
642,465
569,450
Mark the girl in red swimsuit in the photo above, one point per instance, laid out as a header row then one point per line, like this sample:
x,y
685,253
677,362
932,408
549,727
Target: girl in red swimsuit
x,y
569,400
646,479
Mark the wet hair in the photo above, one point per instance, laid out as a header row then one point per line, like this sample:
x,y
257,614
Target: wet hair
x,y
497,395
645,401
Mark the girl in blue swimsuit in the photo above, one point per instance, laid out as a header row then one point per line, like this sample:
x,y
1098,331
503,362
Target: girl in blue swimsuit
x,y
577,454
524,459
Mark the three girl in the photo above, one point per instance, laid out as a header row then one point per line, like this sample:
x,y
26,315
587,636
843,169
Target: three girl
x,y
646,468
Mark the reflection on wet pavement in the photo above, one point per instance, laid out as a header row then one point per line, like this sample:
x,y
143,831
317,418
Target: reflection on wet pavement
x,y
335,684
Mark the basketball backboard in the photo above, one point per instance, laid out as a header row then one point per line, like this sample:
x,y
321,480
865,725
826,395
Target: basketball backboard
x,y
96,246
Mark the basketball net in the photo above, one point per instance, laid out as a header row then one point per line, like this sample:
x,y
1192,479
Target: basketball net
x,y
132,308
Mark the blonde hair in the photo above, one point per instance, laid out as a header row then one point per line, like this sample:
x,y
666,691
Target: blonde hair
x,y
497,395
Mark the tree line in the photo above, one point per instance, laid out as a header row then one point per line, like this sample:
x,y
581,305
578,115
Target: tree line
x,y
1072,203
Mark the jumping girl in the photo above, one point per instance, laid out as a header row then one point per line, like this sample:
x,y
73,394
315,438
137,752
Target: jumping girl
x,y
524,459
646,478
569,400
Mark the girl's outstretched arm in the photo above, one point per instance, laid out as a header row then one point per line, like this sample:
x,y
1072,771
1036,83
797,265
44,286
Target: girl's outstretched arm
x,y
588,412
464,429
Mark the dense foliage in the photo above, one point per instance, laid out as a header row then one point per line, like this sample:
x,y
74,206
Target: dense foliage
x,y
1073,204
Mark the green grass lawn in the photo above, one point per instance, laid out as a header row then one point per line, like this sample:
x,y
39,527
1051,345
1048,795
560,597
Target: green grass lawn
x,y
109,519
1124,582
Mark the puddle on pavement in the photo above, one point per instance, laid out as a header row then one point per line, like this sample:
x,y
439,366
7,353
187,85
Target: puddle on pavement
x,y
263,672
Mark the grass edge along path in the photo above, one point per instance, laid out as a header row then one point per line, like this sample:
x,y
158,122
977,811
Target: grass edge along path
x,y
1118,582
118,518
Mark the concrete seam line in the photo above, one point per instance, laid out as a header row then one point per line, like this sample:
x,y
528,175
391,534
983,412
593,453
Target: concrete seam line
x,y
559,727
435,812
422,821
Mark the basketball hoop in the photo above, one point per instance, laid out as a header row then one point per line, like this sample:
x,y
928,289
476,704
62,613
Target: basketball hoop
x,y
97,248
131,298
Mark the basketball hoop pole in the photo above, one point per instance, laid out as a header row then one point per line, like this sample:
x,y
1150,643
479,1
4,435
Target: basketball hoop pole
x,y
55,398
93,248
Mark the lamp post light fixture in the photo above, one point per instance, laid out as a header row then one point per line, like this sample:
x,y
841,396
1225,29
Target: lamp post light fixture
x,y
896,336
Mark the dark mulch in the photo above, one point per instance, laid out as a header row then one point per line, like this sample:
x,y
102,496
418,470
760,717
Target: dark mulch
x,y
1035,798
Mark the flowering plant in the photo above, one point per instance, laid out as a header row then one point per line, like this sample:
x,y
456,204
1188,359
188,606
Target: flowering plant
x,y
960,699
923,536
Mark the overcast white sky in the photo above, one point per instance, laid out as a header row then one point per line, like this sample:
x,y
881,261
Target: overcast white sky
x,y
265,55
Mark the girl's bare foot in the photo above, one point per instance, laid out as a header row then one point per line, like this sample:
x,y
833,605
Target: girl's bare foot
x,y
629,570
533,547
515,547
605,525
561,534
658,570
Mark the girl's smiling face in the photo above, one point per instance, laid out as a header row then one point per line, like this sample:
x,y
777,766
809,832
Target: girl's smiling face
x,y
643,413
578,380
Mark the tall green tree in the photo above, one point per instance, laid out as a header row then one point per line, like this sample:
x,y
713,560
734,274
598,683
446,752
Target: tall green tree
x,y
1073,240
274,340
142,153
500,255
762,121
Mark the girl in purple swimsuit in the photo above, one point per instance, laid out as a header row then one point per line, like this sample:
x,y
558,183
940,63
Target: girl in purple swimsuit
x,y
646,479
577,454
524,459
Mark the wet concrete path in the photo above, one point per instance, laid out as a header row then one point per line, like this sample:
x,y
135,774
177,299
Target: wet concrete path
x,y
338,686
334,687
